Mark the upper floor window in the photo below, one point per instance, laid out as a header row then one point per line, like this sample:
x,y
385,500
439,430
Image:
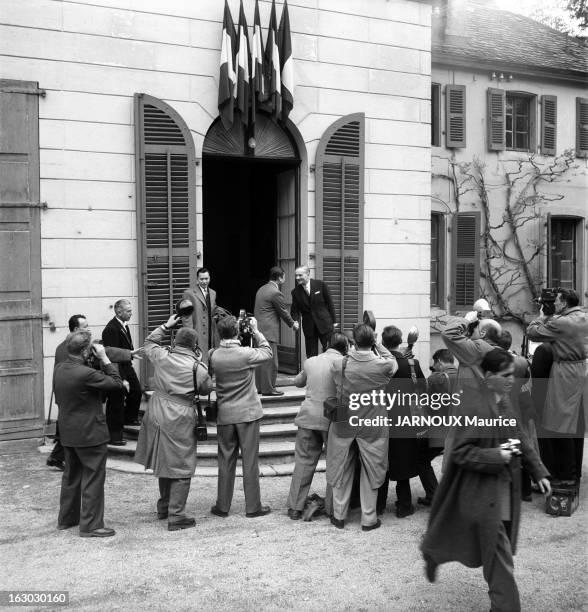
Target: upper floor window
x,y
512,124
518,110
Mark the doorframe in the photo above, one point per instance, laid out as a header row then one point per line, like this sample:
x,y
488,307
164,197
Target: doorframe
x,y
301,197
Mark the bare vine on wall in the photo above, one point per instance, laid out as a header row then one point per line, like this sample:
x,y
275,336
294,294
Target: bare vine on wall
x,y
511,273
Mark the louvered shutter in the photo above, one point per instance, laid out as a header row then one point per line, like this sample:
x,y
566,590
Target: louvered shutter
x,y
455,116
465,288
496,119
581,127
548,125
339,216
166,209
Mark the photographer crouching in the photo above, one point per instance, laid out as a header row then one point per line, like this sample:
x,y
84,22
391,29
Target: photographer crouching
x,y
167,442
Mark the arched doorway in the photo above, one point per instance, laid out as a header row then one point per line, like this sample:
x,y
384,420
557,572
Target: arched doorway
x,y
251,216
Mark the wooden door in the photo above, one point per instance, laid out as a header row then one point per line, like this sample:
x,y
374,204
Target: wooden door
x,y
21,332
286,250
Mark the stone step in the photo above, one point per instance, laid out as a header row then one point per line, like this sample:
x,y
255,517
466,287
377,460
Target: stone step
x,y
266,430
211,471
270,452
124,463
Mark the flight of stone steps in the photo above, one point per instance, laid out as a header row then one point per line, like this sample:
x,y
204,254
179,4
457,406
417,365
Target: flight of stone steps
x,y
276,439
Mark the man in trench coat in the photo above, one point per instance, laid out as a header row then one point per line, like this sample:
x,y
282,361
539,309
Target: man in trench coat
x,y
566,405
202,320
167,443
476,509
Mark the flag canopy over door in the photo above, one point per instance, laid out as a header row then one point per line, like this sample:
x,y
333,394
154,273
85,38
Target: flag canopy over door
x,y
166,209
339,216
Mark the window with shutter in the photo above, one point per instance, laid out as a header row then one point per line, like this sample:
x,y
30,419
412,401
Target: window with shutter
x,y
166,209
455,116
548,125
581,127
437,260
339,216
465,288
496,119
436,114
564,248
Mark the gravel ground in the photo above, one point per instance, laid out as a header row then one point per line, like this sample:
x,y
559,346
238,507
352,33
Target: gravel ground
x,y
268,563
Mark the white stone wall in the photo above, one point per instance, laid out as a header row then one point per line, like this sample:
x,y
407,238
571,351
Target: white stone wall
x,y
370,56
573,187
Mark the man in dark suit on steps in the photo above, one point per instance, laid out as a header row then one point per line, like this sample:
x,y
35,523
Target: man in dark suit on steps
x,y
269,309
312,301
122,410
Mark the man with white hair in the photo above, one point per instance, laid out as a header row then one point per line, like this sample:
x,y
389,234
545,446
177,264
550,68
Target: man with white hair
x,y
312,302
122,408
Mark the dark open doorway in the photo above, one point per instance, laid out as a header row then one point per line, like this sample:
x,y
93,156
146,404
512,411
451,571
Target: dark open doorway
x,y
249,225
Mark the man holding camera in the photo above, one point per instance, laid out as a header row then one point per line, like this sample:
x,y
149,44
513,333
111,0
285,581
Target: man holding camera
x,y
239,412
167,442
469,339
116,355
84,434
563,415
269,309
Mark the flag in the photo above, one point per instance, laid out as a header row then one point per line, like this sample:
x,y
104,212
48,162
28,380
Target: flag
x,y
271,67
242,82
257,84
286,62
227,78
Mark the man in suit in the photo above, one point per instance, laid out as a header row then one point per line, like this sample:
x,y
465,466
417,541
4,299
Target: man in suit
x,y
269,309
122,409
84,434
312,301
203,299
239,413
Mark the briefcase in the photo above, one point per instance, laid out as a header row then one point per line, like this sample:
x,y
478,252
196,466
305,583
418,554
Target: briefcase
x,y
563,501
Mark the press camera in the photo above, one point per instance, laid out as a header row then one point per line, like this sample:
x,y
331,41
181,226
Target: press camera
x,y
546,300
513,445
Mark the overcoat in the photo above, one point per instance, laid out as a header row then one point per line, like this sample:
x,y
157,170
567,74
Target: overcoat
x,y
466,510
269,309
469,354
78,393
365,372
567,394
167,444
199,320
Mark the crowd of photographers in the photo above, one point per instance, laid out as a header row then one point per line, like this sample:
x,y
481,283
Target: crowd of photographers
x,y
544,390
